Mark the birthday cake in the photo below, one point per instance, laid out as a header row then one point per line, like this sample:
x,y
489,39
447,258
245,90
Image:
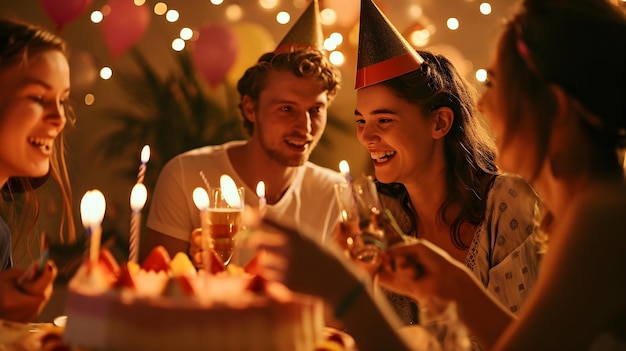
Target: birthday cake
x,y
166,305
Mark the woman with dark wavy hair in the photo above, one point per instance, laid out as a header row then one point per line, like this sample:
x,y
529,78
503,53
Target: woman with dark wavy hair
x,y
555,100
434,163
34,112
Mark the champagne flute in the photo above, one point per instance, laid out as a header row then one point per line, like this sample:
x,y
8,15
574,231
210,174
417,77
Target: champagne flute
x,y
361,233
224,222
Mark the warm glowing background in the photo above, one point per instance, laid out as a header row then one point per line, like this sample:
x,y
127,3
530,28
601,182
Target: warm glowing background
x,y
102,54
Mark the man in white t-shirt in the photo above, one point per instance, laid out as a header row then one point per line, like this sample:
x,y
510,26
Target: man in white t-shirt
x,y
284,102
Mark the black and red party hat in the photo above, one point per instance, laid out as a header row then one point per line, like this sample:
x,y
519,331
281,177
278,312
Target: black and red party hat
x,y
383,52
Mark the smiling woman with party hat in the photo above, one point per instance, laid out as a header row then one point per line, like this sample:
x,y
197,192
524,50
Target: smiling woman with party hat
x,y
434,163
284,103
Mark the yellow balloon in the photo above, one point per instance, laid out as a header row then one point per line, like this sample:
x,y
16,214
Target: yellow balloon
x,y
254,41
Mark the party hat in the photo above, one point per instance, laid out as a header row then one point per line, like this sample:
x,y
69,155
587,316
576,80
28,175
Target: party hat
x,y
305,33
383,52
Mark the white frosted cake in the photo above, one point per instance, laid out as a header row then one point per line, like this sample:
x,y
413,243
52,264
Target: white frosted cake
x,y
170,307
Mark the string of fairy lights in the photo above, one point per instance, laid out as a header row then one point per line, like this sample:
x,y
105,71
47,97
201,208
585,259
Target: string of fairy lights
x,y
419,36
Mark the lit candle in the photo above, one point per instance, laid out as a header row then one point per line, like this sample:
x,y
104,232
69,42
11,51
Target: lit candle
x,y
138,197
201,200
344,168
231,194
92,208
145,156
260,191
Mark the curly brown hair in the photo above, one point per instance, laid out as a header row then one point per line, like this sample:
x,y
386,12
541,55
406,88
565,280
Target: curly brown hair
x,y
301,62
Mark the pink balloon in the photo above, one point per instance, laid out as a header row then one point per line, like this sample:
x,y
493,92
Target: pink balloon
x,y
64,11
125,24
215,52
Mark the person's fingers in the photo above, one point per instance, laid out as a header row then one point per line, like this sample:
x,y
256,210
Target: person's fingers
x,y
271,274
41,284
274,260
273,266
421,255
27,312
196,238
197,258
52,271
194,251
263,240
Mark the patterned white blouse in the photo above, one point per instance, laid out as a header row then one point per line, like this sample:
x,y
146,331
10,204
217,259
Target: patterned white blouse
x,y
504,253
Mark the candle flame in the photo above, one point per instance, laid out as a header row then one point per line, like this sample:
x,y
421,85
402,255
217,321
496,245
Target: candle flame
x,y
260,189
201,198
138,197
229,189
344,168
145,154
92,207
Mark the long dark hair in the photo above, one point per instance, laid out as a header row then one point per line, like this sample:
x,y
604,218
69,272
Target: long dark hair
x,y
590,71
469,149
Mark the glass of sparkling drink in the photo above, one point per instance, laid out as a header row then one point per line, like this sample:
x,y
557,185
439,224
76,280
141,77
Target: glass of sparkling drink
x,y
360,234
224,222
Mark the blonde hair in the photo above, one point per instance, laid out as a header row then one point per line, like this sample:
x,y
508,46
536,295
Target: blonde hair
x,y
18,42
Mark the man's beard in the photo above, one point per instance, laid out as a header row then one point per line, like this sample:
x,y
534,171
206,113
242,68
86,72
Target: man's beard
x,y
284,160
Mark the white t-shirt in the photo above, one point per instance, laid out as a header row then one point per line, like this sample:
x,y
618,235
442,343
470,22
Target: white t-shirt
x,y
308,205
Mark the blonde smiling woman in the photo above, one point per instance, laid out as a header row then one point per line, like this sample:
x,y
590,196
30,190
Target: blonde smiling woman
x,y
34,89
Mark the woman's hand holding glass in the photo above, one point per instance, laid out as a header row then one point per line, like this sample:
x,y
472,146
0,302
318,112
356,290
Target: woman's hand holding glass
x,y
422,271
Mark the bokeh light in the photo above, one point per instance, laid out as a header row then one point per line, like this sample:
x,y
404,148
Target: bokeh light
x,y
283,17
452,23
172,16
234,12
485,8
106,73
268,4
328,16
186,33
160,8
337,58
96,17
178,44
89,99
481,75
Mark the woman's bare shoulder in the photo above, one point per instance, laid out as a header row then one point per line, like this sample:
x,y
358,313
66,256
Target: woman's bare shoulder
x,y
599,213
603,198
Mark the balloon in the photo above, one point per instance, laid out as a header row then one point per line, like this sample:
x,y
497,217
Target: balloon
x,y
64,11
125,24
254,40
215,52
